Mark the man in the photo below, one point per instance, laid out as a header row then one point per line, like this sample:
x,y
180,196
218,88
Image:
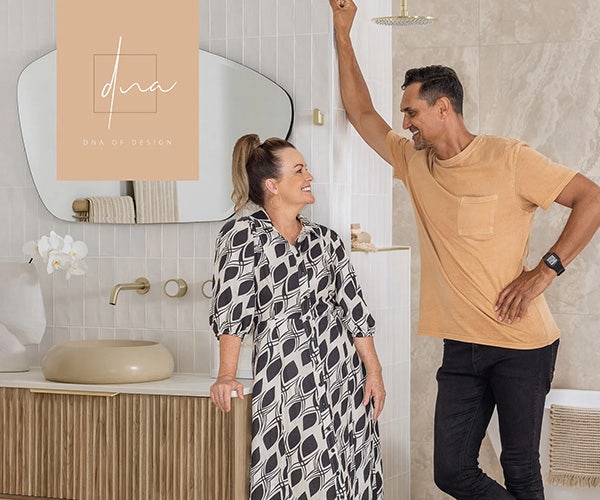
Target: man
x,y
474,199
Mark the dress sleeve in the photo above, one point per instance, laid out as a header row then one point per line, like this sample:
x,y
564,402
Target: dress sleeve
x,y
355,313
233,301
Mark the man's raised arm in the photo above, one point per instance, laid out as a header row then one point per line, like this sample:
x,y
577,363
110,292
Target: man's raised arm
x,y
355,93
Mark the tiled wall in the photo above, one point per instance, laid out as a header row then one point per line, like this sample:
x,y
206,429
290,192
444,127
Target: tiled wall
x,y
385,281
362,181
531,70
289,41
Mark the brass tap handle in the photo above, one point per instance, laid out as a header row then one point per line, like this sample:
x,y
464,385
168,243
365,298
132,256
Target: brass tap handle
x,y
208,294
175,287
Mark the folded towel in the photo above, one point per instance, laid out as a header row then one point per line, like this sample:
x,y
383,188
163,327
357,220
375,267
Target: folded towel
x,y
574,446
155,201
111,209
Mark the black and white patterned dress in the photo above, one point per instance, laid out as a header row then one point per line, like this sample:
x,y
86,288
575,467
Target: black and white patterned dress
x,y
312,438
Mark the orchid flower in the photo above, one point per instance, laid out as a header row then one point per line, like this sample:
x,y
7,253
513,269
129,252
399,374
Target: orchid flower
x,y
59,253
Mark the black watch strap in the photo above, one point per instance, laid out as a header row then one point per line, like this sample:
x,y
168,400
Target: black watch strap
x,y
553,262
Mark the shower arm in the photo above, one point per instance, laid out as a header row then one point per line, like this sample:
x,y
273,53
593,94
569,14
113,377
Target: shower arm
x,y
404,11
403,19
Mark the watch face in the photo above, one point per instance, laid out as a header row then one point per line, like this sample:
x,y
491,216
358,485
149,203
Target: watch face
x,y
552,260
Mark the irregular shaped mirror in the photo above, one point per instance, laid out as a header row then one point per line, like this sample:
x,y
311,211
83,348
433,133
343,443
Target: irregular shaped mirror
x,y
234,100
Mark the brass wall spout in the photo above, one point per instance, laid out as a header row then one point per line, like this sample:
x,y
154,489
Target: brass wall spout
x,y
141,285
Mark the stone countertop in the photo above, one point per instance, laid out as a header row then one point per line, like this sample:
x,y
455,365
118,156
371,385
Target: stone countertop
x,y
179,384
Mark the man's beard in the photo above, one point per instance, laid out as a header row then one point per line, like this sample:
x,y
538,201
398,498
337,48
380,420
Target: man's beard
x,y
420,143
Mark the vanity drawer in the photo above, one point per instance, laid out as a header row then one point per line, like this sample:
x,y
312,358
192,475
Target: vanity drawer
x,y
122,447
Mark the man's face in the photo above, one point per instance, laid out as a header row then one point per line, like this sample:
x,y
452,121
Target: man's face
x,y
419,117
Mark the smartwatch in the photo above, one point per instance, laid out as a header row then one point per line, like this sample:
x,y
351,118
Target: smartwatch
x,y
553,262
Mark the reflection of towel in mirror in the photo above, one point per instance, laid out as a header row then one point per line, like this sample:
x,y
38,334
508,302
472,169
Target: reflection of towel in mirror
x,y
155,201
111,209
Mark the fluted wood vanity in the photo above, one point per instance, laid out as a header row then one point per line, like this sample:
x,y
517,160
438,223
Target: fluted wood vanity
x,y
93,445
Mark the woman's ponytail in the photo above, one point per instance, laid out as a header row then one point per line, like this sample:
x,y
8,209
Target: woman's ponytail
x,y
242,151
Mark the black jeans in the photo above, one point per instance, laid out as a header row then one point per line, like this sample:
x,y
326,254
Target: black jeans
x,y
472,380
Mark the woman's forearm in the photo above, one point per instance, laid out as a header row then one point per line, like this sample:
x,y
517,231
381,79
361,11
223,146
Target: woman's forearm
x,y
229,353
226,384
365,346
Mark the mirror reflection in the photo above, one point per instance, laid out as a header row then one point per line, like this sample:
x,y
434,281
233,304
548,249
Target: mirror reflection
x,y
234,100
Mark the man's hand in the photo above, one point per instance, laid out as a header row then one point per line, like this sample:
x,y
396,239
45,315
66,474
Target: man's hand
x,y
343,15
514,300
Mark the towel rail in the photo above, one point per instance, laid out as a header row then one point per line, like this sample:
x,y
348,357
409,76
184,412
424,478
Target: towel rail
x,y
81,207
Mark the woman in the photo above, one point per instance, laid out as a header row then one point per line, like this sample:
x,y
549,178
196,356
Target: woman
x,y
318,388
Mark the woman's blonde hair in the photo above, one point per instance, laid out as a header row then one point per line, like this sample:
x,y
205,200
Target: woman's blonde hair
x,y
253,163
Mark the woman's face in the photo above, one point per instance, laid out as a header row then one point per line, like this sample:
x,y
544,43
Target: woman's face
x,y
294,185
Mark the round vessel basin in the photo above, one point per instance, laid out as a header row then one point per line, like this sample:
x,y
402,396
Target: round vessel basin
x,y
107,362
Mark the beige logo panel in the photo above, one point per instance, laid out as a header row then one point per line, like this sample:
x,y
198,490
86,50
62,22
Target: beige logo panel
x,y
127,90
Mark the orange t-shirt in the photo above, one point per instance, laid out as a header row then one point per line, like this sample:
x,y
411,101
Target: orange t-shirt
x,y
474,214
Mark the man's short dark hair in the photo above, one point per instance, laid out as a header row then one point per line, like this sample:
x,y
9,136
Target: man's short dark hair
x,y
437,81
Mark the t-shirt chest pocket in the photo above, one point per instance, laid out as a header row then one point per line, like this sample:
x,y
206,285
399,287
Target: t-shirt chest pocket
x,y
476,216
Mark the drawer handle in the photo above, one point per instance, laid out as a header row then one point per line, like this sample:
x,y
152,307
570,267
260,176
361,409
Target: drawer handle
x,y
74,393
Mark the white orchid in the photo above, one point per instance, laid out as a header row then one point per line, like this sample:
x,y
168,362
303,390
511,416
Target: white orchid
x,y
59,253
31,249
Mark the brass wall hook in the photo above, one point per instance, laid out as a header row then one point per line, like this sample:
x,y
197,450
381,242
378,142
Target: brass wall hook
x,y
318,117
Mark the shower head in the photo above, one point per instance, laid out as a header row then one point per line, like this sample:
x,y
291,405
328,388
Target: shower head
x,y
403,19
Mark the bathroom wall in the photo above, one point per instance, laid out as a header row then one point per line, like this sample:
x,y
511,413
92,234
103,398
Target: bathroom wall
x,y
260,34
384,276
531,70
289,41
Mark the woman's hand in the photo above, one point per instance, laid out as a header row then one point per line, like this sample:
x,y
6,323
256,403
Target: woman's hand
x,y
375,389
220,392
